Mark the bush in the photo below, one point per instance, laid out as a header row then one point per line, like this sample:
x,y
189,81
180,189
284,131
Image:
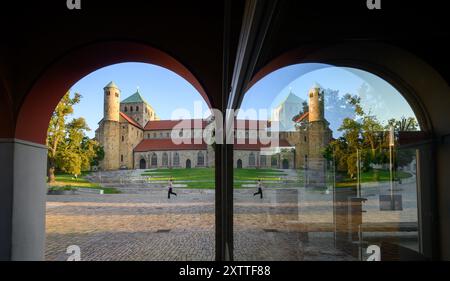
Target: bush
x,y
62,188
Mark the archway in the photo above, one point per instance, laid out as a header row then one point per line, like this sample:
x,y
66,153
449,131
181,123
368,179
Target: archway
x,y
38,106
239,164
55,82
343,56
142,164
285,164
188,163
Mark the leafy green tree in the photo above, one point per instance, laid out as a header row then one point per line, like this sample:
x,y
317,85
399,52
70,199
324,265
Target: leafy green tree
x,y
70,150
57,131
366,134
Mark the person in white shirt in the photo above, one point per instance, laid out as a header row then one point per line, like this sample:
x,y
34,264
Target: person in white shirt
x,y
170,188
260,192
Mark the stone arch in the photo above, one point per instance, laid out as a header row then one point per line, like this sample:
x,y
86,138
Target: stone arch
x,y
142,163
62,74
402,70
251,159
154,160
424,89
262,160
200,159
176,159
165,159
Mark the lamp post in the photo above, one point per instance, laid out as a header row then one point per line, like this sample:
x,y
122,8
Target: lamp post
x,y
391,147
358,176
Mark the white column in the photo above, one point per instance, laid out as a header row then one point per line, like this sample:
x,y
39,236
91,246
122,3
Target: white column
x,y
6,197
23,171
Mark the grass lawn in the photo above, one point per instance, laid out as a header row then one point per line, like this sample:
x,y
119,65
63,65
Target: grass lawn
x,y
64,180
204,177
373,176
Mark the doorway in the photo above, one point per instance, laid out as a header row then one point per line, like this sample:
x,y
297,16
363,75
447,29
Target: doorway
x,y
142,164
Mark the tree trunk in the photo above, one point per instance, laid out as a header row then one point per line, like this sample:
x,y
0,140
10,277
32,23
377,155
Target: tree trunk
x,y
50,171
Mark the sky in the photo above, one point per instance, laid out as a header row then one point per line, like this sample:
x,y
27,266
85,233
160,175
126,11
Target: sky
x,y
166,91
163,89
381,99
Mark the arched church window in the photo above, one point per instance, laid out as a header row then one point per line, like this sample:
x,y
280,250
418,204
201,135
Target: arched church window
x,y
117,95
123,138
165,159
125,109
176,159
137,108
154,160
251,159
274,161
200,159
262,160
131,109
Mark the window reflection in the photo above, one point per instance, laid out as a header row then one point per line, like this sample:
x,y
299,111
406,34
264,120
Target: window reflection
x,y
339,187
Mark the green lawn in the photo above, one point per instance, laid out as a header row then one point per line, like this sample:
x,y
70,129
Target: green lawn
x,y
204,177
66,180
373,176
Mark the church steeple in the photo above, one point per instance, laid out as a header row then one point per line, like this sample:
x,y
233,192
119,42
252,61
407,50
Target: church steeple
x,y
316,103
111,102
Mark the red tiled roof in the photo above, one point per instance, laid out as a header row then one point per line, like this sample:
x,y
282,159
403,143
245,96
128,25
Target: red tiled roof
x,y
258,145
302,117
251,124
130,120
238,124
168,144
169,124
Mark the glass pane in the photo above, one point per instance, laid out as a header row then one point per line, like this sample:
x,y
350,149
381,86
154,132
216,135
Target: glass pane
x,y
333,183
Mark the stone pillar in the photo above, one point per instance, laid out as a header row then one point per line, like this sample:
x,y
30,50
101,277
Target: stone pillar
x,y
22,200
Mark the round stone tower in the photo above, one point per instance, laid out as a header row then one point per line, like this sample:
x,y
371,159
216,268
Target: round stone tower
x,y
110,136
316,104
111,105
318,136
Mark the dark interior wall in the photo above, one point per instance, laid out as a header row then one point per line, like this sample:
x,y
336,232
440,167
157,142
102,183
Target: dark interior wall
x,y
43,33
39,34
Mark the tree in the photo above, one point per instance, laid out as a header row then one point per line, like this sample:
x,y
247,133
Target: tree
x,y
403,156
70,150
57,131
366,134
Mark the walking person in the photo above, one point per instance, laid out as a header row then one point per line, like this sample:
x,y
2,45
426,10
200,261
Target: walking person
x,y
260,192
170,188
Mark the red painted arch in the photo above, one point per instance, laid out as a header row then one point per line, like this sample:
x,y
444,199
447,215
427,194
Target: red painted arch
x,y
385,61
40,102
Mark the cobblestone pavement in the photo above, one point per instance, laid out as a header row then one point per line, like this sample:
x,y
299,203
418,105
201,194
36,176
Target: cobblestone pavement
x,y
148,226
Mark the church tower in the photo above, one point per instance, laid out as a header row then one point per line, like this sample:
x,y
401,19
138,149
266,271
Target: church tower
x,y
316,104
319,136
111,102
110,136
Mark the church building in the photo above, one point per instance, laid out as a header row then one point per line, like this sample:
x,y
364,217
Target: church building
x,y
134,137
